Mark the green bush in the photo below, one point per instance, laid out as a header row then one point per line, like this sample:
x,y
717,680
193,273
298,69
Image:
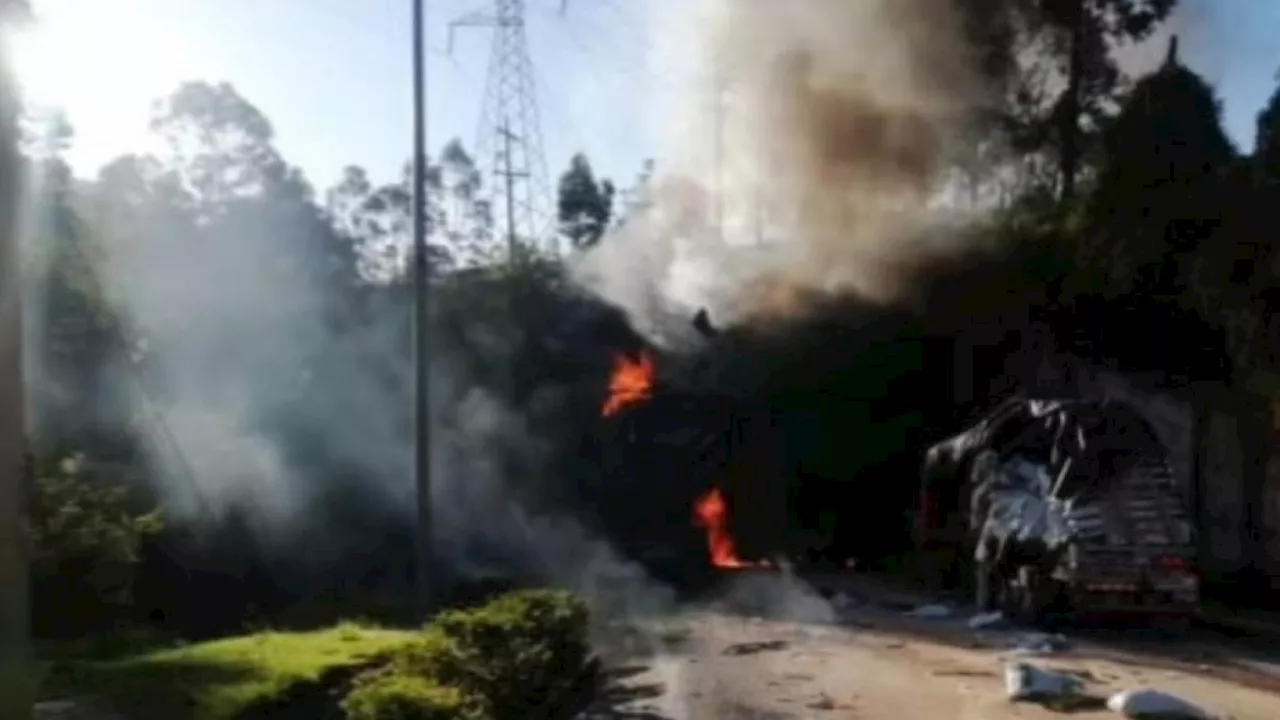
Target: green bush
x,y
524,655
393,696
85,540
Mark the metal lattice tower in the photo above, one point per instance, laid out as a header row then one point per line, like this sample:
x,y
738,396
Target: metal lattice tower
x,y
509,141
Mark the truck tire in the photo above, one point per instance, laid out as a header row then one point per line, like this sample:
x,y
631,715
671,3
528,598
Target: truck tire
x,y
1027,596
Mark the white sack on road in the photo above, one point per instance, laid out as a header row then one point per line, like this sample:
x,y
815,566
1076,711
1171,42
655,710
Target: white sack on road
x,y
930,612
986,621
1023,681
1151,704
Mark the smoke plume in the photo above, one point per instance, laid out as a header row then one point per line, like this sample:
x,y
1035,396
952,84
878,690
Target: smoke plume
x,y
274,396
823,170
838,120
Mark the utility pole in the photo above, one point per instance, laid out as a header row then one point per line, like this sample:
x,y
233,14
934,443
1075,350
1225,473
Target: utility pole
x,y
424,548
15,608
509,176
17,690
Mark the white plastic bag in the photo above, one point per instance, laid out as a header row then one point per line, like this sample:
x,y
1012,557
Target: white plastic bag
x,y
983,621
930,612
1150,704
1023,681
1040,644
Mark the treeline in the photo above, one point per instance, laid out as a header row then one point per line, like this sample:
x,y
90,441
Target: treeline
x,y
1127,224
1121,229
208,285
1127,218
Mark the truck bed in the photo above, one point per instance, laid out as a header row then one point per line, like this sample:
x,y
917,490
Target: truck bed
x,y
1133,547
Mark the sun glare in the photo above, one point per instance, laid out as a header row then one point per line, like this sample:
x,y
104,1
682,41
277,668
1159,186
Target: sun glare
x,y
33,55
101,65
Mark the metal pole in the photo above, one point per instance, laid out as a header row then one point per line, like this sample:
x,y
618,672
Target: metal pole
x,y
421,323
16,689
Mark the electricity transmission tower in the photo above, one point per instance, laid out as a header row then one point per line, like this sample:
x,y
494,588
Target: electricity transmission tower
x,y
509,142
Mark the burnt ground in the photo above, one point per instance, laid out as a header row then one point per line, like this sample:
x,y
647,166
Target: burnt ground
x,y
771,647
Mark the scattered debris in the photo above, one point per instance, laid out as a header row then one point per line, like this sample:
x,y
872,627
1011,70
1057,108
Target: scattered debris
x,y
1085,675
988,621
756,647
824,702
960,672
932,611
1027,683
1040,644
1155,705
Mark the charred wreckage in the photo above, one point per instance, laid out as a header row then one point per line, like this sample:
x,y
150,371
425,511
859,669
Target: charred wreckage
x,y
1044,507
737,456
1048,507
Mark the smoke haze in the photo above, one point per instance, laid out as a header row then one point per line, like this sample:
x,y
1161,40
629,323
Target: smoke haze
x,y
839,113
227,312
835,124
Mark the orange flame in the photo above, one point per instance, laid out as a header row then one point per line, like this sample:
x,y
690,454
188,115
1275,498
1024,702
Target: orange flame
x,y
712,513
631,383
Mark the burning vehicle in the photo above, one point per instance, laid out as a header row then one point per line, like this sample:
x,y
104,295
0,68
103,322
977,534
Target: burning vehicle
x,y
673,461
1053,506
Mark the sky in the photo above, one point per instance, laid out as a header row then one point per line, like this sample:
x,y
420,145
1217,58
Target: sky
x,y
334,75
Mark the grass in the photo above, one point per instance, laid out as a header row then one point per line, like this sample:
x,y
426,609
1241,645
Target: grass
x,y
224,679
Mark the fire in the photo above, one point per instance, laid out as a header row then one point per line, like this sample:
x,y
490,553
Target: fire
x,y
631,383
712,513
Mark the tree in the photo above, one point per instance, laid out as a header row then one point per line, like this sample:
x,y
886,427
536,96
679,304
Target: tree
x,y
16,685
1030,46
1159,191
70,325
86,541
220,145
380,218
585,205
1266,151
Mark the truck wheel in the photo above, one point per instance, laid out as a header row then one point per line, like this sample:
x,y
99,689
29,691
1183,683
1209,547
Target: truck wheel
x,y
1028,596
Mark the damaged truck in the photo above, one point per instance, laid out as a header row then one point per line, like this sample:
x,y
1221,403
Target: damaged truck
x,y
1048,507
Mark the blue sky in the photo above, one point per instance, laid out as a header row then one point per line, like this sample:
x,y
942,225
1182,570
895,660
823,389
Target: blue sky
x,y
333,75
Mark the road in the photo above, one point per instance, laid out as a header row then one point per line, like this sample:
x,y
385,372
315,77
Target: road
x,y
771,649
